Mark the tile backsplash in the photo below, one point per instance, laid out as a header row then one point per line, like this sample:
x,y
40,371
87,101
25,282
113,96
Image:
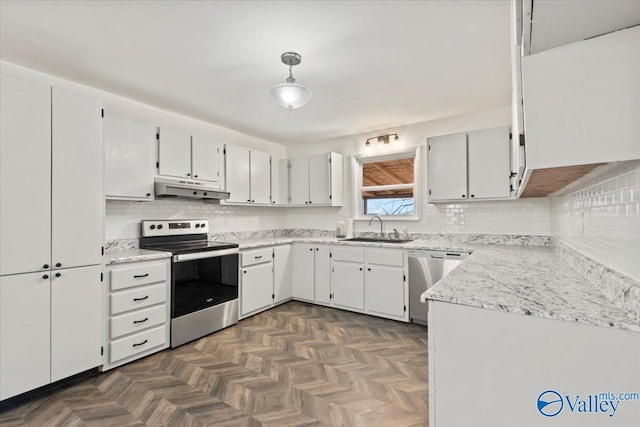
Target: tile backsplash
x,y
599,216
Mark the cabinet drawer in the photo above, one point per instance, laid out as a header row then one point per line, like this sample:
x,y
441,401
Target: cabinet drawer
x,y
137,343
138,298
138,320
127,277
389,257
256,256
348,254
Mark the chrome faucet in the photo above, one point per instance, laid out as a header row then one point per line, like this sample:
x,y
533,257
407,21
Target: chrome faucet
x,y
396,234
379,219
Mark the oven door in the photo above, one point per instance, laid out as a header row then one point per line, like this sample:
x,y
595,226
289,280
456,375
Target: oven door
x,y
203,280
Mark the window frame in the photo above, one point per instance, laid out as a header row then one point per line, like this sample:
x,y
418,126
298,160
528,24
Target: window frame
x,y
359,160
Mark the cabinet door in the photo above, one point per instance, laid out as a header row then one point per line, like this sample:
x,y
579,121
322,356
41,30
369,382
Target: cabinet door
x,y
319,179
174,154
488,159
77,203
385,291
303,272
260,177
237,170
25,175
257,287
348,285
447,167
129,150
279,181
24,333
76,321
282,273
299,181
206,160
323,274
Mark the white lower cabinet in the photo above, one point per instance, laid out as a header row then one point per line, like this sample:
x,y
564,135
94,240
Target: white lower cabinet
x,y
303,286
266,278
25,339
348,285
76,319
138,301
322,274
385,294
49,327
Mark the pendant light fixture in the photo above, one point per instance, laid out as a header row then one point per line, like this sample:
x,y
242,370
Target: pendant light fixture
x,y
291,94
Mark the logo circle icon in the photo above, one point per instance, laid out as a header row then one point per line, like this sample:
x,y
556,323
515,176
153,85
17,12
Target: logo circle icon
x,y
550,403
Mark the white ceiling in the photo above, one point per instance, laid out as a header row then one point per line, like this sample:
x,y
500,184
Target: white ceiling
x,y
371,64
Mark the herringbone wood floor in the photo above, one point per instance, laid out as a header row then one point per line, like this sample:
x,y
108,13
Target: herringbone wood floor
x,y
294,365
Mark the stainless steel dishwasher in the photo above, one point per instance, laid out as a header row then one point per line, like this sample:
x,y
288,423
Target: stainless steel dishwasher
x,y
426,268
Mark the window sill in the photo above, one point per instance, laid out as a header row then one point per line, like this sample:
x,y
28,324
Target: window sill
x,y
390,218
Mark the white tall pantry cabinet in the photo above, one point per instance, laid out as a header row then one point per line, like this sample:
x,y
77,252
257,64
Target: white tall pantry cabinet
x,y
51,210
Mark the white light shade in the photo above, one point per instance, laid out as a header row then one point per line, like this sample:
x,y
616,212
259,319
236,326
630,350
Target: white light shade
x,y
291,95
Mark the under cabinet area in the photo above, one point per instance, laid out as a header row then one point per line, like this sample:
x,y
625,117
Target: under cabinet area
x,y
137,306
470,166
266,278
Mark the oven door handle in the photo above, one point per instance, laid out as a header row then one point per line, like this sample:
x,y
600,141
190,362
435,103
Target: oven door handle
x,y
203,255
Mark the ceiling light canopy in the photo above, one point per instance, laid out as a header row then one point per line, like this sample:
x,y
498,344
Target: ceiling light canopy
x,y
291,94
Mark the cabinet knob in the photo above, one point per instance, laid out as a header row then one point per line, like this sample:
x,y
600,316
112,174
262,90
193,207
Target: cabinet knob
x,y
311,249
195,176
58,264
45,277
45,266
148,194
473,195
273,202
310,202
317,249
368,269
58,274
244,271
464,195
360,268
248,200
253,201
188,174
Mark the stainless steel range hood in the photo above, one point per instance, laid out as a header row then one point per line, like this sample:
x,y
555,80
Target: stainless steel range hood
x,y
189,189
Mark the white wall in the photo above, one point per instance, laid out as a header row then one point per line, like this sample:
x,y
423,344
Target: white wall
x,y
599,215
525,216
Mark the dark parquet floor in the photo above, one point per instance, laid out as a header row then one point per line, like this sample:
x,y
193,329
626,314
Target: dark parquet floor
x,y
294,365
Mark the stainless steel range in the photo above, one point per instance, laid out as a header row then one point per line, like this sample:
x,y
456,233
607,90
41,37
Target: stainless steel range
x,y
204,277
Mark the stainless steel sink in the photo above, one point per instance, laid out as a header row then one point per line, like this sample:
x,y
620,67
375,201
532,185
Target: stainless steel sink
x,y
376,240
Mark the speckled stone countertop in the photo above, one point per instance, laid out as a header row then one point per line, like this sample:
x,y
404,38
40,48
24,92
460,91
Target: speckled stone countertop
x,y
133,255
517,277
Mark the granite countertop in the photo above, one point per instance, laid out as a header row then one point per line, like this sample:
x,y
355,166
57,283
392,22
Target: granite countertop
x,y
520,279
133,255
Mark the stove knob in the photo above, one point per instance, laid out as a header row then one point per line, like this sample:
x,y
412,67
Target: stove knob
x,y
152,227
197,225
159,226
202,225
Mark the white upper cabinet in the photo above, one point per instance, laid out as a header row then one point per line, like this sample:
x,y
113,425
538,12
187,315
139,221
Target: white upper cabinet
x,y
316,180
488,162
237,170
582,102
76,190
129,151
279,181
447,167
470,166
207,160
25,175
248,175
299,181
174,154
260,172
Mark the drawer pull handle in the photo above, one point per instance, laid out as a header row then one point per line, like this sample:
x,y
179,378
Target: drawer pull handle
x,y
141,343
141,299
140,276
257,257
140,321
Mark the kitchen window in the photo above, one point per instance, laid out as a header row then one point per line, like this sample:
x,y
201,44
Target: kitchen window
x,y
386,186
